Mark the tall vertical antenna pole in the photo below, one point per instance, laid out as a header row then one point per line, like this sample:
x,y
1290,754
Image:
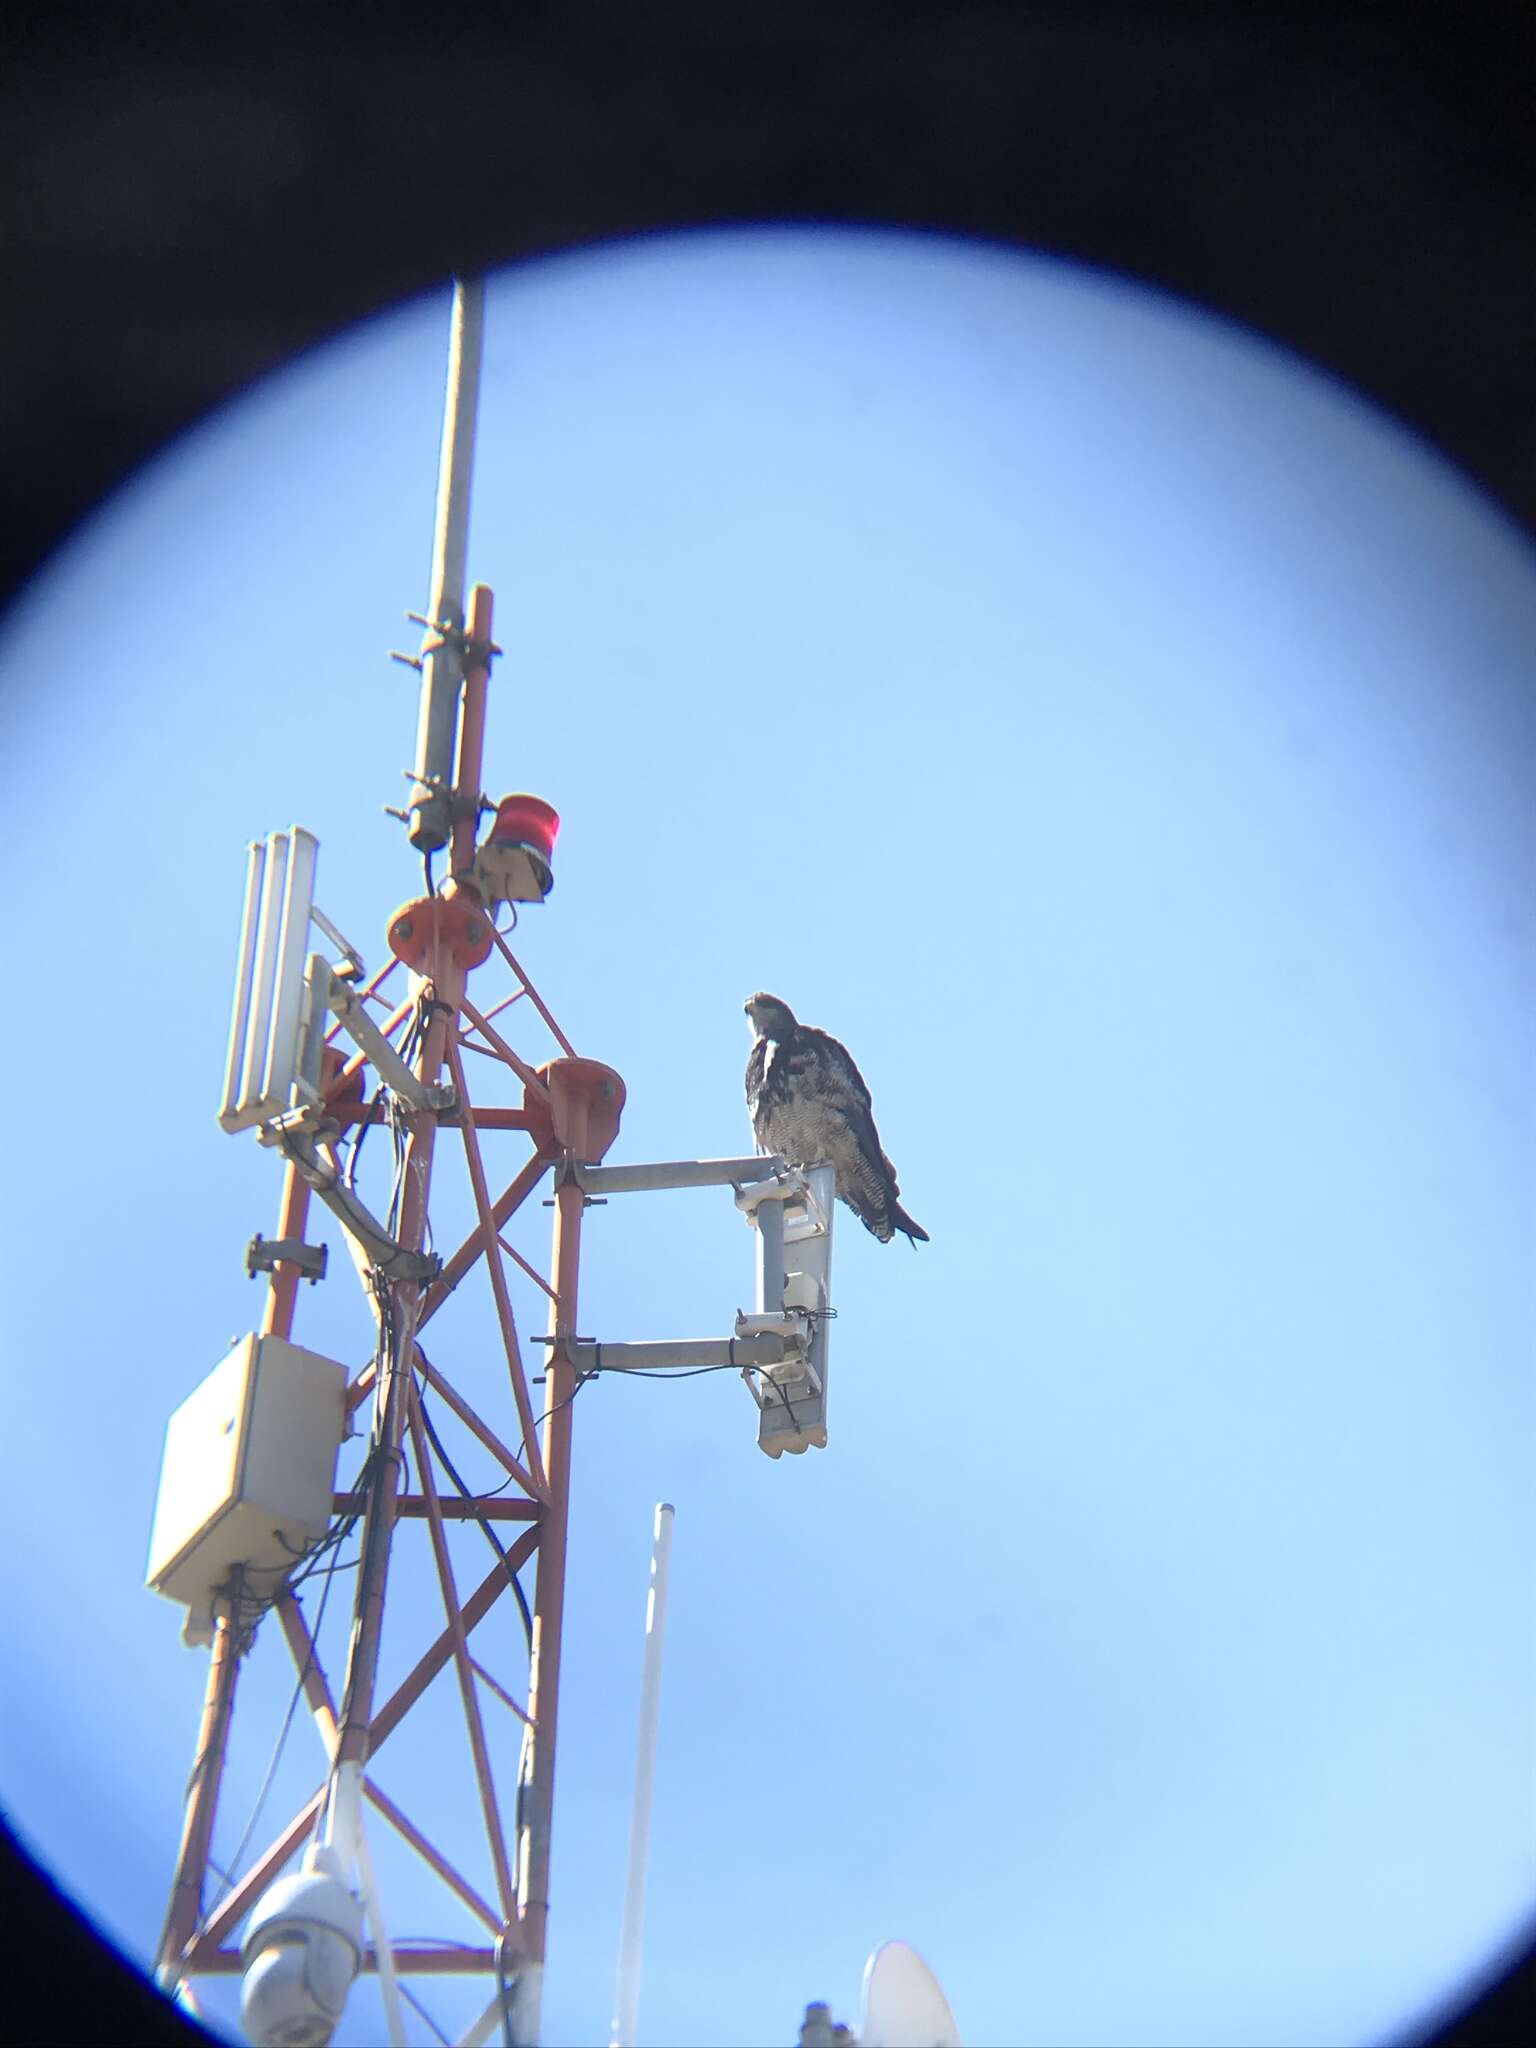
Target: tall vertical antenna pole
x,y
399,1303
443,653
626,1998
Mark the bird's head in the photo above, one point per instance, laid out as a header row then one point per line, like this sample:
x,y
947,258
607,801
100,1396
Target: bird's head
x,y
769,1017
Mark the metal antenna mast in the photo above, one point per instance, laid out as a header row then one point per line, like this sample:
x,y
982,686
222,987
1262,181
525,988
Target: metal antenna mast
x,y
251,1509
306,1098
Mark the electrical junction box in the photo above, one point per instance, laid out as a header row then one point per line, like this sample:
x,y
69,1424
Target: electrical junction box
x,y
248,1474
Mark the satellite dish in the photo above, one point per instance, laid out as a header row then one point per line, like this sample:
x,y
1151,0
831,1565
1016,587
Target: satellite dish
x,y
903,2005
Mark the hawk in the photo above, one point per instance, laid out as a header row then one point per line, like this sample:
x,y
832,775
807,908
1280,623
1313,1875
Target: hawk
x,y
808,1103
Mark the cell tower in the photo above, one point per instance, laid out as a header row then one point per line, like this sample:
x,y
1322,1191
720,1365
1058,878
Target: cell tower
x,y
251,1514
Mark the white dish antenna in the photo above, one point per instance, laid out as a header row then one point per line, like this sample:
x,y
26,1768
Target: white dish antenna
x,y
903,2005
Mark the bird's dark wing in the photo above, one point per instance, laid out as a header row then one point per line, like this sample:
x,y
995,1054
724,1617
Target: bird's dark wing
x,y
756,1063
842,1087
867,1180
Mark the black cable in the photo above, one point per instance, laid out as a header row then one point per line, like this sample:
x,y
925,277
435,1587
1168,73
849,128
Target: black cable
x,y
349,1179
581,1381
489,1533
665,1372
691,1372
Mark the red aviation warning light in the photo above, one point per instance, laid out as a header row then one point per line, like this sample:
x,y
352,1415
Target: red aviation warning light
x,y
515,864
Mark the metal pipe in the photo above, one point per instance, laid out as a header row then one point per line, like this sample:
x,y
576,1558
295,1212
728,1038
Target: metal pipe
x,y
626,2001
677,1173
443,672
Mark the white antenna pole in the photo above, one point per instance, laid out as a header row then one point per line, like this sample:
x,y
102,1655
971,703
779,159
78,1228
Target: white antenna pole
x,y
443,655
626,2000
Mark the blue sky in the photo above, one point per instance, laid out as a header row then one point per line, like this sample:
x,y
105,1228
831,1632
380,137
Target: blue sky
x,y
1120,736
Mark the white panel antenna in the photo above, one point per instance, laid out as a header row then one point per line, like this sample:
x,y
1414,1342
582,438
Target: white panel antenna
x,y
284,1003
261,1075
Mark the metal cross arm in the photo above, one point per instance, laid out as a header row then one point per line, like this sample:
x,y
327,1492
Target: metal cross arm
x,y
676,1173
681,1354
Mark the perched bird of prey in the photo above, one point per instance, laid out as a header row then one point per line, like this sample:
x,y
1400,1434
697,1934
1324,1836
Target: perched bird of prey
x,y
808,1103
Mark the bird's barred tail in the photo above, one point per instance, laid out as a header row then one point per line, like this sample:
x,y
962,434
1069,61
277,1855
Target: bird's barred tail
x,y
900,1220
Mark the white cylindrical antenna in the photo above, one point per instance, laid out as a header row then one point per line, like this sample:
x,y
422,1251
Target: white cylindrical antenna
x,y
626,2001
443,666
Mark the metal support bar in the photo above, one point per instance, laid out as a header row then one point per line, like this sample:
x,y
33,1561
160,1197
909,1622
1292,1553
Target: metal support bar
x,y
758,1350
338,939
346,1005
676,1173
412,1507
397,1261
409,1961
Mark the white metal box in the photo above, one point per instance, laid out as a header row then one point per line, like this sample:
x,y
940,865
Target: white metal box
x,y
249,1471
